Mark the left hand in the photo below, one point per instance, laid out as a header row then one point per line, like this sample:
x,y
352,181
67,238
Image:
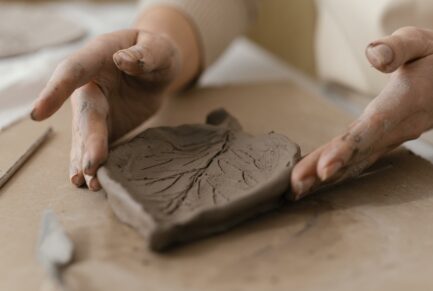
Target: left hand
x,y
401,112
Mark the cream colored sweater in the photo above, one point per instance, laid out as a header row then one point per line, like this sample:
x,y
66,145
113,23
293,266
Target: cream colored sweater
x,y
217,21
344,29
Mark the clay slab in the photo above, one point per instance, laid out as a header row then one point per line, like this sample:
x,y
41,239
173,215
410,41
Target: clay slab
x,y
175,184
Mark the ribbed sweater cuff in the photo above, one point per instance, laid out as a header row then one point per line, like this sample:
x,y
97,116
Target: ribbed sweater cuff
x,y
217,22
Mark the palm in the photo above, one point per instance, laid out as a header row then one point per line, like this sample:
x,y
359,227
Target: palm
x,y
115,83
129,100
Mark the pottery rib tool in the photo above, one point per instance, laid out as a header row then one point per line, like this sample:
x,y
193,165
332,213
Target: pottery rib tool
x,y
55,250
17,144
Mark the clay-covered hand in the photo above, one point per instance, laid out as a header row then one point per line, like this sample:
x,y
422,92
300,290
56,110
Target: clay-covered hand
x,y
115,83
401,112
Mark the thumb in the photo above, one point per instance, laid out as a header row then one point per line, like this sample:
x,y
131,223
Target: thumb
x,y
152,58
404,45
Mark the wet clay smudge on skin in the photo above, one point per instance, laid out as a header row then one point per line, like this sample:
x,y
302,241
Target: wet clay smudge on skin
x,y
175,184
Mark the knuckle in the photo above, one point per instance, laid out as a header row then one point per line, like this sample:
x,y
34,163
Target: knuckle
x,y
145,54
148,37
113,37
69,71
377,118
412,136
411,33
408,30
99,157
104,38
379,122
417,127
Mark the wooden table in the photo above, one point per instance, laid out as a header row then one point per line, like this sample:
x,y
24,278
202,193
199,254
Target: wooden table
x,y
374,233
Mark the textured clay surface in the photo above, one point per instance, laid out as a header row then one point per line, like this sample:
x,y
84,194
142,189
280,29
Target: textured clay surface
x,y
174,184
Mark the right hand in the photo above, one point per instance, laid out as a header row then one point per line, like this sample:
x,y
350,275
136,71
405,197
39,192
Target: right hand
x,y
115,82
402,111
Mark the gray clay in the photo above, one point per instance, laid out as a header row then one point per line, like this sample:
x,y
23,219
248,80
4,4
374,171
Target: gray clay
x,y
175,184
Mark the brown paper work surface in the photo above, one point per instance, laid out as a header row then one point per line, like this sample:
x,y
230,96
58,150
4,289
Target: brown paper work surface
x,y
373,233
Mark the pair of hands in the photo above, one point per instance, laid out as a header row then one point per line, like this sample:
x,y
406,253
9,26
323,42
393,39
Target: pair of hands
x,y
119,79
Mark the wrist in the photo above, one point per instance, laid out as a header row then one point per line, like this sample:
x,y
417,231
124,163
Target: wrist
x,y
174,25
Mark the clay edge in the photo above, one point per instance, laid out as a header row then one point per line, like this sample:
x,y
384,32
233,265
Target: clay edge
x,y
123,205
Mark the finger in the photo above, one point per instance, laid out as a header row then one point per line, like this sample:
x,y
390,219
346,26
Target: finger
x,y
356,168
405,44
358,142
92,183
368,140
296,196
406,130
91,111
75,169
304,175
75,71
68,76
151,58
308,174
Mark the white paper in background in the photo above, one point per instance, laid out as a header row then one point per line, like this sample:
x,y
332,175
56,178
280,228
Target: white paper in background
x,y
33,68
246,62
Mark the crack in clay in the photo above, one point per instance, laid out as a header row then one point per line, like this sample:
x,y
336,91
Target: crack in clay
x,y
252,158
174,184
156,165
196,159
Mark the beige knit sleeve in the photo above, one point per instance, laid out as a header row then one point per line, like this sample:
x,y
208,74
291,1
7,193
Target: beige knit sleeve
x,y
217,22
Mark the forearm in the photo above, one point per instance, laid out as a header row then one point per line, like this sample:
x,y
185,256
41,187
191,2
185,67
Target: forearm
x,y
175,25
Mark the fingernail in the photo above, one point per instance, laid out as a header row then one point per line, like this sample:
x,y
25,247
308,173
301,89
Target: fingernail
x,y
330,171
380,55
124,56
94,185
329,156
302,187
32,115
76,180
